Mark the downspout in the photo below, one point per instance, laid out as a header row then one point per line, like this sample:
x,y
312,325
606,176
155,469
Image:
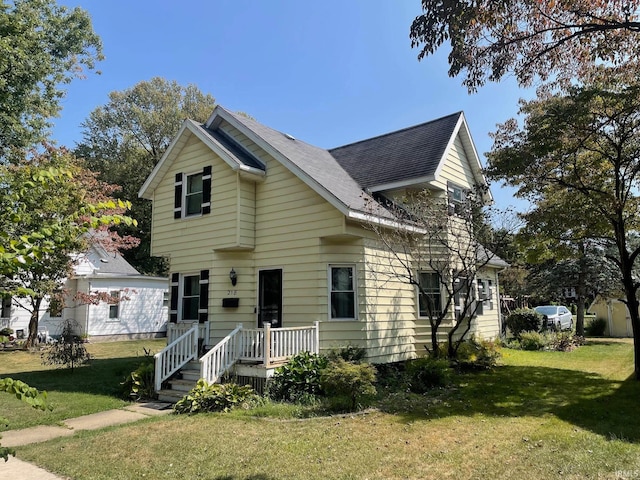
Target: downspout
x,y
86,314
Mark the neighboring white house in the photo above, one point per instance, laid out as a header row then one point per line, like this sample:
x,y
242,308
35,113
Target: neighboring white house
x,y
141,312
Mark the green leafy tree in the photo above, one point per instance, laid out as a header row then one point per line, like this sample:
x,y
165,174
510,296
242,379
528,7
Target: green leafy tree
x,y
43,46
50,208
587,143
125,138
530,39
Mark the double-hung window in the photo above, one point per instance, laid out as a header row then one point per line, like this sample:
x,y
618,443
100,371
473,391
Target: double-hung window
x,y
193,195
343,291
430,296
190,297
114,305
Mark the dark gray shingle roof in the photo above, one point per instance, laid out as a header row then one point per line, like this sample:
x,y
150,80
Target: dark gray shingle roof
x,y
406,154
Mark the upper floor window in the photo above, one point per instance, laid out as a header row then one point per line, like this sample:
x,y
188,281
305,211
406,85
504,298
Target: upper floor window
x,y
430,296
193,195
343,292
457,198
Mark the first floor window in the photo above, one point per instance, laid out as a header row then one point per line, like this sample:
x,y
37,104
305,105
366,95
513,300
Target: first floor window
x,y
114,305
430,298
343,292
190,297
193,194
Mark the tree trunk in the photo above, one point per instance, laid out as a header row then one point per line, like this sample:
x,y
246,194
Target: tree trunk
x,y
581,292
630,291
32,339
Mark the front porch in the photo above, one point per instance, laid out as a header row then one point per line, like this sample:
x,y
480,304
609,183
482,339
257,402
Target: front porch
x,y
249,352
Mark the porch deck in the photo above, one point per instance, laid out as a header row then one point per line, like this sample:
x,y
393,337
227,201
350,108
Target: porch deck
x,y
262,348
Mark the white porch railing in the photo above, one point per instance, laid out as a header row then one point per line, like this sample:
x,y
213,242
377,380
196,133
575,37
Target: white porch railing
x,y
176,355
175,330
267,345
220,358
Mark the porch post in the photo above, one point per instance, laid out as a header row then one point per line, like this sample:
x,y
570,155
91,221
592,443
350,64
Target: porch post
x,y
316,340
267,343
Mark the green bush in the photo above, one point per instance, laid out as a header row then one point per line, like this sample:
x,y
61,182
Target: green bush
x,y
6,332
523,320
533,341
217,397
350,353
596,327
480,354
564,341
140,384
353,381
426,373
299,379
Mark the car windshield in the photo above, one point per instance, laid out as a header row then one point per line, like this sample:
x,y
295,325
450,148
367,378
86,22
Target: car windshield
x,y
547,310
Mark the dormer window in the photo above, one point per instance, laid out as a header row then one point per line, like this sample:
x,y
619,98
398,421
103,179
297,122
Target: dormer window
x,y
457,197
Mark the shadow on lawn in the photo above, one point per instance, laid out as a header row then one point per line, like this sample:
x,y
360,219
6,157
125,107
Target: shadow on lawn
x,y
586,400
100,377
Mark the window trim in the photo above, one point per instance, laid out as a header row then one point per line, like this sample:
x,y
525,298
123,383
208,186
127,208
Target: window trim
x,y
181,297
420,272
354,276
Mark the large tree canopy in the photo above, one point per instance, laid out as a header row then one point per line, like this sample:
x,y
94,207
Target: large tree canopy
x,y
529,38
585,143
42,47
125,138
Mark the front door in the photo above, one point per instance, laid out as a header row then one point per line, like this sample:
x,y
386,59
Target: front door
x,y
270,298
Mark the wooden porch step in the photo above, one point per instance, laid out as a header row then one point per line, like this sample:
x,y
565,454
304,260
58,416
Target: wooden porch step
x,y
170,396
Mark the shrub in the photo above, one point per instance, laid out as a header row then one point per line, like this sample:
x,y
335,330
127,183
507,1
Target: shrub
x,y
299,379
216,397
533,341
353,381
6,332
140,384
350,353
596,327
565,341
523,320
426,373
69,350
484,354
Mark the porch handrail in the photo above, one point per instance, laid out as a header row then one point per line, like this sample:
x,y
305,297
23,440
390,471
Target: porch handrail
x,y
221,357
176,355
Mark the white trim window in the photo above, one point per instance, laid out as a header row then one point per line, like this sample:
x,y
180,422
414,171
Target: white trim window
x,y
193,195
114,305
190,297
429,295
342,292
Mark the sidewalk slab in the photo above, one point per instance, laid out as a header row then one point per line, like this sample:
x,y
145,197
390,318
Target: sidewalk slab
x,y
107,418
17,438
16,469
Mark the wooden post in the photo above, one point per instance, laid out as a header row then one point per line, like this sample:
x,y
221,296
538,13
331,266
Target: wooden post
x,y
316,339
267,343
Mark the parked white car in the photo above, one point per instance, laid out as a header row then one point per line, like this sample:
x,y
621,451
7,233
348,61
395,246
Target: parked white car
x,y
556,317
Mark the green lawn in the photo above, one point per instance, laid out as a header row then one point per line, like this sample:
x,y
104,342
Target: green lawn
x,y
541,415
87,389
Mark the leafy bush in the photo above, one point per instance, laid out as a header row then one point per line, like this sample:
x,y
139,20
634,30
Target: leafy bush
x,y
140,384
480,354
69,350
353,381
216,397
533,340
6,332
350,353
596,327
426,373
523,320
565,341
299,379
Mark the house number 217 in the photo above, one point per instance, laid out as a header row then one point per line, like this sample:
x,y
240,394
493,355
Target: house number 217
x,y
232,293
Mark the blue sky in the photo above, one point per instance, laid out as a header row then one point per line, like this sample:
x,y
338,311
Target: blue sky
x,y
328,72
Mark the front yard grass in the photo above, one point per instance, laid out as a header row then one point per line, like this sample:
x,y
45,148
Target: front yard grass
x,y
541,415
89,389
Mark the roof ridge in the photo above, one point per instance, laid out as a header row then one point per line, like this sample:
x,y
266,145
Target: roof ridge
x,y
458,113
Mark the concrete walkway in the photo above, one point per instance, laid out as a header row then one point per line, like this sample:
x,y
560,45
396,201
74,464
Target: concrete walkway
x,y
16,469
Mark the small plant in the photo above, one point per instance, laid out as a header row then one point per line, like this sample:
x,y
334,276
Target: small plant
x,y
140,384
565,341
69,350
533,341
350,353
352,381
299,379
426,373
216,397
596,327
6,332
523,320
